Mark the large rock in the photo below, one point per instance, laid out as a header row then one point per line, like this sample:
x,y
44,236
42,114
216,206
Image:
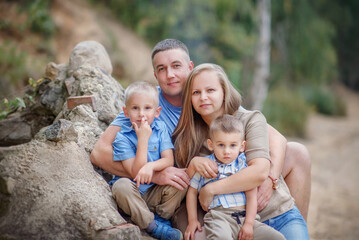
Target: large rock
x,y
90,53
48,186
50,191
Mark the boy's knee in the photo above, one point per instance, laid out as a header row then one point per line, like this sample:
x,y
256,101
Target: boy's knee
x,y
122,186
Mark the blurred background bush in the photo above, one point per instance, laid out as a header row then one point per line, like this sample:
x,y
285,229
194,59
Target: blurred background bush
x,y
313,47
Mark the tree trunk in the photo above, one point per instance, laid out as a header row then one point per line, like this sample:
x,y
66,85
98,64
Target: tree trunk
x,y
259,88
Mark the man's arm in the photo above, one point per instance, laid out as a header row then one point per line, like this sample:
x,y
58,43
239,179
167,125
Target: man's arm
x,y
277,149
102,153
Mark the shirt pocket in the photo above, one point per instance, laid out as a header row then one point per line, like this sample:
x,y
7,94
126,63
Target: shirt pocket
x,y
153,147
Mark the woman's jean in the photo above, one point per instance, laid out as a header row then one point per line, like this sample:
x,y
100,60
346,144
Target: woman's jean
x,y
291,224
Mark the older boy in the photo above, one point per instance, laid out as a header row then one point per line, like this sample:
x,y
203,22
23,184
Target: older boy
x,y
144,146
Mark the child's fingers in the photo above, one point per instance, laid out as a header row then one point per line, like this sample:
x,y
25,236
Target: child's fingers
x,y
143,121
137,179
135,126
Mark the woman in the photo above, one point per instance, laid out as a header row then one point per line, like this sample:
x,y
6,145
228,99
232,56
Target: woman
x,y
208,94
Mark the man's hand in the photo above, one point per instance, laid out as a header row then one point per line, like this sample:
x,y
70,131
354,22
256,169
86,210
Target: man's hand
x,y
176,177
205,197
264,193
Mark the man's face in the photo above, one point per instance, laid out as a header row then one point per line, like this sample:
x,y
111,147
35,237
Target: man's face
x,y
171,68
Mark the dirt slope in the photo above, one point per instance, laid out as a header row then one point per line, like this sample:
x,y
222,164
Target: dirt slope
x,y
78,21
334,147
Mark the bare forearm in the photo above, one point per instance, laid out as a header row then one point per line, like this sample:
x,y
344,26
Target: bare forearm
x,y
102,153
251,205
277,145
191,204
141,157
246,179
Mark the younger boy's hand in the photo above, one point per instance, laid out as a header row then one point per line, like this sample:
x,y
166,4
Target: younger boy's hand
x,y
191,229
144,175
246,232
143,131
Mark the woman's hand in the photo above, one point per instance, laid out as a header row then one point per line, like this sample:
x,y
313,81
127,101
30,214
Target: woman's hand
x,y
264,194
204,166
176,177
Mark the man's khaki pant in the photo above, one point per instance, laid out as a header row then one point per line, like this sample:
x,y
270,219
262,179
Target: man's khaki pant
x,y
220,224
162,200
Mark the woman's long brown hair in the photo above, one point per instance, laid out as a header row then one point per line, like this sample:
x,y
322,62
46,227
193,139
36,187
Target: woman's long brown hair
x,y
191,130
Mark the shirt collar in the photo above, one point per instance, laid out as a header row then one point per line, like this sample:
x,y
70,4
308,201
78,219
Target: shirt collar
x,y
230,164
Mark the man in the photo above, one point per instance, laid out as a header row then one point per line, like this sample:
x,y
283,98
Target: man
x,y
172,65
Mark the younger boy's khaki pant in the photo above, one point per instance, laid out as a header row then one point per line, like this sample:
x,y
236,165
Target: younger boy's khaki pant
x,y
163,200
220,224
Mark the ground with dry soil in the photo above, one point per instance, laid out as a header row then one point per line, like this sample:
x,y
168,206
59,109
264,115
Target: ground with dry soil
x,y
334,147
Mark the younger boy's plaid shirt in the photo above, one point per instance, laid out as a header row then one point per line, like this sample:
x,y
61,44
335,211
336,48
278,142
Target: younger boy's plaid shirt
x,y
224,170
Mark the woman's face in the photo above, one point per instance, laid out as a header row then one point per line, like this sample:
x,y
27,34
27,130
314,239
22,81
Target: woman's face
x,y
207,95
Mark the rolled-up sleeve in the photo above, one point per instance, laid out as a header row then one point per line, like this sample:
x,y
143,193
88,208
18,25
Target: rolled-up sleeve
x,y
123,148
256,135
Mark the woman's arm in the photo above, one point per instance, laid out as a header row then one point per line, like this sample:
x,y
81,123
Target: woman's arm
x,y
246,179
277,146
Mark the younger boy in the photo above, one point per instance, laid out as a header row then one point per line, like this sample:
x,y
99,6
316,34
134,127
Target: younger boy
x,y
144,146
230,216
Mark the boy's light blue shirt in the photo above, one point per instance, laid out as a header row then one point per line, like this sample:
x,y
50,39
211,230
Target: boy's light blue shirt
x,y
224,170
125,145
169,114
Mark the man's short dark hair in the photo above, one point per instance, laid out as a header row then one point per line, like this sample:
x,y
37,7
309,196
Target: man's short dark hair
x,y
169,44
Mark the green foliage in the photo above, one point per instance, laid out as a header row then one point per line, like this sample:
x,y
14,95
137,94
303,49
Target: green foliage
x,y
286,111
324,100
302,44
39,18
8,106
12,66
219,31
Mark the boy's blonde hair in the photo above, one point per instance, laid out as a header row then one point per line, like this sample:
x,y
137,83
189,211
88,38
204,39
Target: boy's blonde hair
x,y
227,124
144,88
